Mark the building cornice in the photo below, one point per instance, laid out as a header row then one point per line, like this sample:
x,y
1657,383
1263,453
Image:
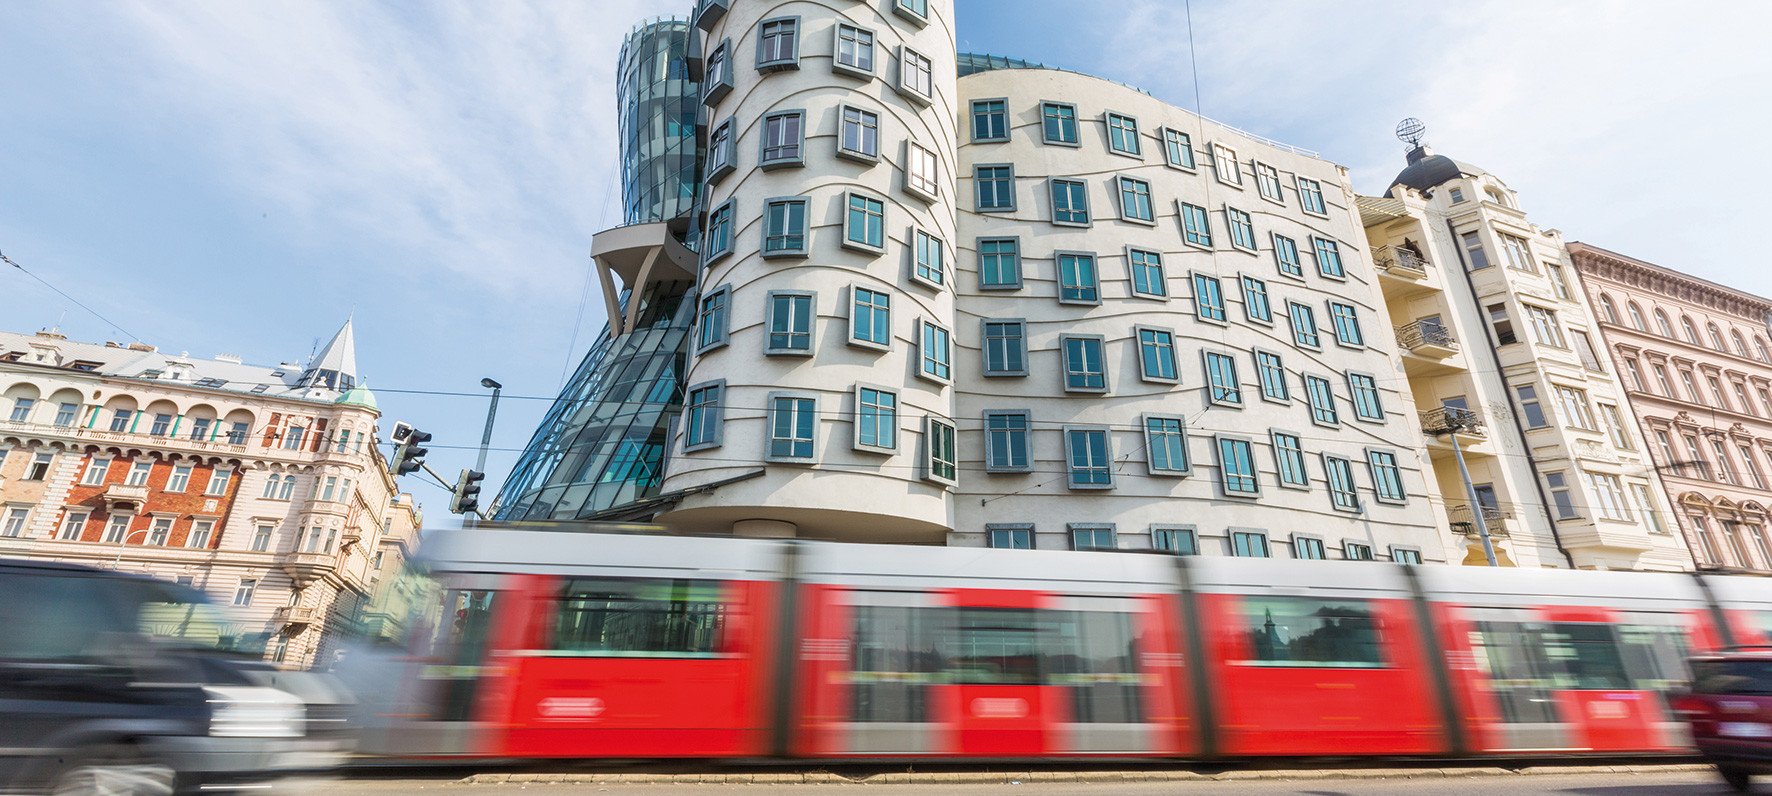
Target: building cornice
x,y
1662,281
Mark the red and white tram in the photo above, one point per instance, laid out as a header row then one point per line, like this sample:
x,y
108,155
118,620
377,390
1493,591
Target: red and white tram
x,y
535,644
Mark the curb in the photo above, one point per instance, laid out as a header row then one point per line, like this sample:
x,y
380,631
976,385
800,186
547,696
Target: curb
x,y
1016,778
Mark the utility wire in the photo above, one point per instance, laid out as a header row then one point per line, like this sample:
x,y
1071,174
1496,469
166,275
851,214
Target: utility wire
x,y
58,291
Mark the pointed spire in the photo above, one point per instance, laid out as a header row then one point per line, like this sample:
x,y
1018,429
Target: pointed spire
x,y
335,367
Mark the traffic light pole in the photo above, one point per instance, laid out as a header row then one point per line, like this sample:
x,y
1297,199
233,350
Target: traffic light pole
x,y
473,516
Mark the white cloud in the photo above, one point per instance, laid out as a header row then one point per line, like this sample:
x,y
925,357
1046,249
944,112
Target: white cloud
x,y
475,136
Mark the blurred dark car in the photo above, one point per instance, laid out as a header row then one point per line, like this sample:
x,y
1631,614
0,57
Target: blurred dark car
x,y
122,684
1729,708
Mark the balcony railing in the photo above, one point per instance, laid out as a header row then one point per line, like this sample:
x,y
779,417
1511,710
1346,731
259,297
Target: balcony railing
x,y
1494,518
124,437
1427,337
1452,419
296,615
1399,261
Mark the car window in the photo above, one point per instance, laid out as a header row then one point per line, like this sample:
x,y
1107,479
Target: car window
x,y
1732,677
55,617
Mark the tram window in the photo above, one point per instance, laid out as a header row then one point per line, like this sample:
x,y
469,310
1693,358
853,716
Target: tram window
x,y
1004,646
1732,677
894,658
650,618
1514,656
1302,631
1654,655
1103,672
1589,654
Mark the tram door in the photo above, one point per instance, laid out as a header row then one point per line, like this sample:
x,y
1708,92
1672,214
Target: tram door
x,y
435,708
1583,682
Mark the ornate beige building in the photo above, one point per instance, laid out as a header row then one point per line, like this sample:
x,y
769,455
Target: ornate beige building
x,y
1694,358
261,485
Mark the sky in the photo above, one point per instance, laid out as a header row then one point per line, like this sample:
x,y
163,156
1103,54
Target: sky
x,y
241,177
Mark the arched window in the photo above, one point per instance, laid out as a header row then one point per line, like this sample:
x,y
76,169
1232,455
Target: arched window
x,y
1740,344
271,486
1760,348
1662,324
1690,329
1636,317
1716,338
1608,309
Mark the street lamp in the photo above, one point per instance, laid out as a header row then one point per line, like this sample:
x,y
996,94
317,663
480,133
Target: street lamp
x,y
491,412
121,546
1455,423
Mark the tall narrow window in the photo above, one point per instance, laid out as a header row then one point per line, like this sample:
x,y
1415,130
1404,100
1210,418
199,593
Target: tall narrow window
x,y
1347,324
1070,202
1304,325
860,137
916,75
1310,196
1005,348
1242,229
1165,443
717,83
1322,400
1196,225
876,419
1090,463
1255,301
1328,258
1236,467
1122,134
784,228
703,416
1516,252
993,188
717,242
1208,298
1562,498
1084,367
1503,325
1272,373
1077,279
1584,346
934,353
1289,460
990,120
1559,280
1387,476
711,320
720,152
999,263
1530,408
1178,149
1222,385
1286,256
1365,390
931,260
784,138
1473,249
1608,495
1156,354
790,323
1058,123
864,226
1576,411
1147,273
1339,474
1135,201
1646,504
943,458
1225,166
870,318
1544,326
1267,181
64,414
855,51
180,479
1006,441
922,171
792,421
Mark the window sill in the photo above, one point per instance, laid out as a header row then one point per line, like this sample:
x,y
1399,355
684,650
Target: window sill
x,y
782,163
784,65
863,247
792,254
859,157
852,71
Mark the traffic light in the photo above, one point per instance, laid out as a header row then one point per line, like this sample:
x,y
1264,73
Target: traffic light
x,y
466,498
408,456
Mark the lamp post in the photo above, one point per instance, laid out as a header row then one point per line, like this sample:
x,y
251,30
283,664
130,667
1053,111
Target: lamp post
x,y
491,412
1455,424
121,546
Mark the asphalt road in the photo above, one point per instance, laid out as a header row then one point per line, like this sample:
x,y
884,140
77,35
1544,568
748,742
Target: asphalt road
x,y
1658,784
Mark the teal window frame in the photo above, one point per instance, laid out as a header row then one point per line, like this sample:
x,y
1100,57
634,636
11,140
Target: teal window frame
x,y
999,263
1237,475
1289,460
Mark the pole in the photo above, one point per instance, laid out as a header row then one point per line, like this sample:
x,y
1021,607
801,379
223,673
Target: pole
x,y
1470,491
124,545
486,437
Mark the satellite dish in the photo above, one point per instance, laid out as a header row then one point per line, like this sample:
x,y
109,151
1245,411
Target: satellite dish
x,y
1411,131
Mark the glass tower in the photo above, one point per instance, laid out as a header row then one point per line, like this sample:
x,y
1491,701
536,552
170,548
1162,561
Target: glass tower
x,y
601,445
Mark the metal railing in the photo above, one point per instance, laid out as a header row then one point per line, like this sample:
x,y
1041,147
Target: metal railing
x,y
1396,258
1494,518
1448,419
1421,334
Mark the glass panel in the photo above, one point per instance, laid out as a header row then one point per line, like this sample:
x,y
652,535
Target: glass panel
x,y
1301,631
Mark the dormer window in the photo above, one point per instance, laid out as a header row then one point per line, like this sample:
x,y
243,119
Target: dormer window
x,y
1457,195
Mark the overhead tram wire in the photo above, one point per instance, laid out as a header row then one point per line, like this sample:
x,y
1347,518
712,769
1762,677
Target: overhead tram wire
x,y
58,291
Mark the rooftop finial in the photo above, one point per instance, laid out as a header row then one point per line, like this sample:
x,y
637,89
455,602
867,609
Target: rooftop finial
x,y
1411,131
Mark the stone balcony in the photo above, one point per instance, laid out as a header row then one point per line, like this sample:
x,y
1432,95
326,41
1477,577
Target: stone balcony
x,y
1400,263
125,498
1452,419
296,616
305,568
1427,339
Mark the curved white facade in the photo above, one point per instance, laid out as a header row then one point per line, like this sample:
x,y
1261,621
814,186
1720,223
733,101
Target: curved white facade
x,y
845,489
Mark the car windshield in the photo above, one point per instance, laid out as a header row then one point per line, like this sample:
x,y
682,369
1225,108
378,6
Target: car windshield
x,y
179,617
1741,677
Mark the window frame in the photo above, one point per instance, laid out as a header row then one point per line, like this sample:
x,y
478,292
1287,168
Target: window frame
x,y
1236,176
1173,359
722,154
1320,245
1315,343
1179,141
923,358
850,331
1354,392
1251,534
848,242
1014,254
1216,312
1328,416
723,216
1107,120
1107,461
1064,354
843,123
1281,251
769,438
978,188
1082,189
1396,465
903,87
1316,190
715,420
1121,184
854,70
922,242
1231,215
855,437
900,8
1294,454
1020,351
769,318
1026,529
1093,286
1199,237
935,431
1189,532
1245,282
1284,396
789,61
1187,457
805,233
1076,530
1353,318
717,78
1267,174
1224,476
1133,269
722,334
1076,139
1026,434
914,155
972,117
1216,393
1351,494
767,163
1303,541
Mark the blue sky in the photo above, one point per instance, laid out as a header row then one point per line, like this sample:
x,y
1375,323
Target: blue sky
x,y
233,177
